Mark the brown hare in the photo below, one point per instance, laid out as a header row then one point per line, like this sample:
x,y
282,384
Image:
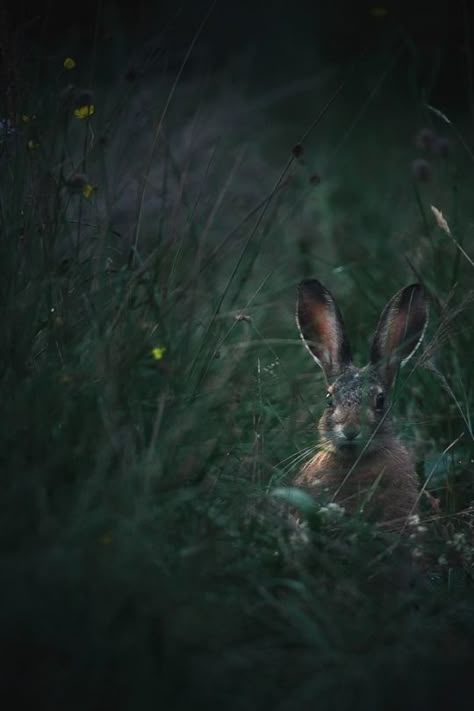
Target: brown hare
x,y
361,463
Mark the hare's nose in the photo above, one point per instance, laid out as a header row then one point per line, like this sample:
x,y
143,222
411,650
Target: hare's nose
x,y
351,432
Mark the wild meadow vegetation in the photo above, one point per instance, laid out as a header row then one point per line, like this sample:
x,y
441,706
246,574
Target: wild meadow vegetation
x,y
157,402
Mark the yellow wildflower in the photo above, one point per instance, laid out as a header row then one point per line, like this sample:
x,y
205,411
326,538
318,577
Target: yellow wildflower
x,y
69,63
87,190
158,352
25,118
85,111
32,145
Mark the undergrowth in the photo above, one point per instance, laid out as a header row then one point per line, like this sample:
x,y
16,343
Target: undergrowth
x,y
157,402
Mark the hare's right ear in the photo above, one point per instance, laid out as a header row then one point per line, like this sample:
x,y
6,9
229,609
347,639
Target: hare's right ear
x,y
322,328
399,331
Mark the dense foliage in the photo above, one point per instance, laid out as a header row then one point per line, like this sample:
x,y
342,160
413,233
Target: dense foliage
x,y
157,401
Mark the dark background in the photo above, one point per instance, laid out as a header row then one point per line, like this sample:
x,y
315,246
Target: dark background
x,y
287,37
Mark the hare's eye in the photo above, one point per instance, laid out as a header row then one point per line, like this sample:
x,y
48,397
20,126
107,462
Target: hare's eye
x,y
379,401
329,399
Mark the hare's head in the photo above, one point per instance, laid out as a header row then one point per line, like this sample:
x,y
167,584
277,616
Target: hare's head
x,y
356,417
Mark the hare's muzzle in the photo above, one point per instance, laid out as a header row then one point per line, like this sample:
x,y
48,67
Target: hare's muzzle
x,y
349,435
351,432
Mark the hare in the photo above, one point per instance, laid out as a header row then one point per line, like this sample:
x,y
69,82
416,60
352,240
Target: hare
x,y
361,463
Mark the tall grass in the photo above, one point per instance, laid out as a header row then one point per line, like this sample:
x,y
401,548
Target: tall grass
x,y
155,394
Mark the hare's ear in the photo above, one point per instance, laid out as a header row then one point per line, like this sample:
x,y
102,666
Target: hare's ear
x,y
322,328
399,331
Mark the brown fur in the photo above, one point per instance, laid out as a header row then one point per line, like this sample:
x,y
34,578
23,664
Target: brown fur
x,y
382,485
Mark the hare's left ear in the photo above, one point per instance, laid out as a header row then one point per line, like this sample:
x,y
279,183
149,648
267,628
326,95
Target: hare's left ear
x,y
322,328
400,331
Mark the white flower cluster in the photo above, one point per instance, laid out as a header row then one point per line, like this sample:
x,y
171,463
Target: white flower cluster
x,y
414,523
458,542
332,511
